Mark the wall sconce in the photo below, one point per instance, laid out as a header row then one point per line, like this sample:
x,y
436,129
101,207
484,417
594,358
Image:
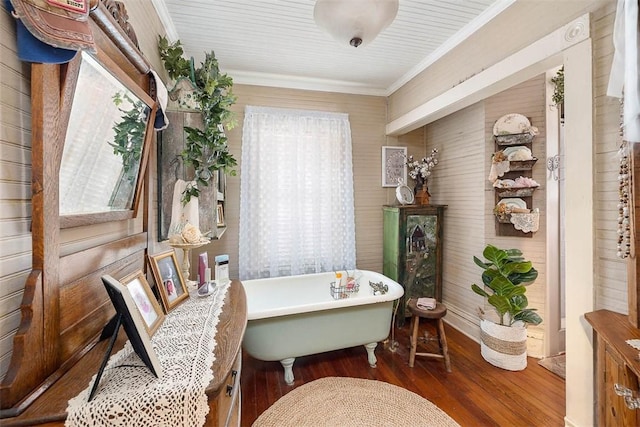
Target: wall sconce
x,y
356,22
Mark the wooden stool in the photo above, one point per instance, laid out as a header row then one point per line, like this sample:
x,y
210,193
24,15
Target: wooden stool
x,y
436,315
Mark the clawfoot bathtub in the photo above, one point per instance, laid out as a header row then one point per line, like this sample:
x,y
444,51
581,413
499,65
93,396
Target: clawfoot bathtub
x,y
297,316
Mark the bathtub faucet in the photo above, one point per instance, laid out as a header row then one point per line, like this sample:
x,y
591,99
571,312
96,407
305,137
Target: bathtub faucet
x,y
379,288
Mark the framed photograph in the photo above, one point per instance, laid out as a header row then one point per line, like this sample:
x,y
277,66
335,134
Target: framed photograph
x,y
140,291
133,322
168,277
220,215
394,165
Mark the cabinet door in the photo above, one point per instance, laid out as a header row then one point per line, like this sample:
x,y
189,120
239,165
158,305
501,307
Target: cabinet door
x,y
412,254
421,256
616,412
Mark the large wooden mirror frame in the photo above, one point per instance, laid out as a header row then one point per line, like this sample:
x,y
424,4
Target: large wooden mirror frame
x,y
109,131
65,306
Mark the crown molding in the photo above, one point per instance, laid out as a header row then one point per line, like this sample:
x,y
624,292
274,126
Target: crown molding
x,y
165,19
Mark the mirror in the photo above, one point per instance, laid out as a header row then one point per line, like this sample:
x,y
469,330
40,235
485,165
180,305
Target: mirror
x,y
103,148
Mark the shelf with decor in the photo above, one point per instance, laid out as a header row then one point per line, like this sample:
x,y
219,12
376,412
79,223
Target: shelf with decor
x,y
172,170
511,175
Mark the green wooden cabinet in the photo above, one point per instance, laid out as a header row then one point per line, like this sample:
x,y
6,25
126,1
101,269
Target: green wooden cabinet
x,y
412,252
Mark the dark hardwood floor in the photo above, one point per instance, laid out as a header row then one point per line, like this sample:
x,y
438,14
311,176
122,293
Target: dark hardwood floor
x,y
475,393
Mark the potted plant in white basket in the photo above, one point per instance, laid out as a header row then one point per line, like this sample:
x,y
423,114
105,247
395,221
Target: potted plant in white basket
x,y
505,276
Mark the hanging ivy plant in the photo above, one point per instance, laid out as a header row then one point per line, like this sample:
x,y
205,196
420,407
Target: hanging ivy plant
x,y
558,91
206,149
129,133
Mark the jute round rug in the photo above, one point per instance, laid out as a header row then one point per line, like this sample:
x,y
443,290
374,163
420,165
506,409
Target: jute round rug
x,y
342,402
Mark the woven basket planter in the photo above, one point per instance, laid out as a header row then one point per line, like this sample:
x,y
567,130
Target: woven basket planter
x,y
504,346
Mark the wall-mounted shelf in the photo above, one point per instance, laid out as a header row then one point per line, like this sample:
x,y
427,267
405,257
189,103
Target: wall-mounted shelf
x,y
513,139
513,184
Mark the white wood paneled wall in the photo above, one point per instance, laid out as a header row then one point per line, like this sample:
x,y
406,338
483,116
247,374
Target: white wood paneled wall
x,y
528,99
459,182
610,271
15,184
465,142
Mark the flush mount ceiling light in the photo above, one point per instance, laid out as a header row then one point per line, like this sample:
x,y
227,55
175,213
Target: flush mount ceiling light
x,y
356,22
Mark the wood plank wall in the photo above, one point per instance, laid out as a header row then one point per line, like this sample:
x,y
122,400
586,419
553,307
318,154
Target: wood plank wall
x,y
528,99
459,182
610,271
465,142
15,184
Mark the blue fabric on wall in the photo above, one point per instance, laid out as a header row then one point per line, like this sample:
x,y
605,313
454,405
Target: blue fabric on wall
x,y
30,49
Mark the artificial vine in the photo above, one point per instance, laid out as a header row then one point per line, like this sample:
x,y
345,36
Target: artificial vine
x,y
206,149
129,133
558,91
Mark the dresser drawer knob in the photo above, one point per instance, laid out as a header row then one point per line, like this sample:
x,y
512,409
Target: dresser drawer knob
x,y
229,390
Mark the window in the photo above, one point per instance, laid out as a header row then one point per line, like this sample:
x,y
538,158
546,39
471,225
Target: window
x,y
296,193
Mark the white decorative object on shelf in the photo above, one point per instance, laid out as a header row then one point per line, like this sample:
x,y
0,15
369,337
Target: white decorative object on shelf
x,y
518,152
513,123
526,222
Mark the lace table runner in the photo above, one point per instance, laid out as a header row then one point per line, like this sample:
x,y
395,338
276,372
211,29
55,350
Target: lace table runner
x,y
129,394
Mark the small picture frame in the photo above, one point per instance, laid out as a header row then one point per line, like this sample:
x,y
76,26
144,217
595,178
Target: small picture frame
x,y
220,215
168,277
144,300
394,165
133,324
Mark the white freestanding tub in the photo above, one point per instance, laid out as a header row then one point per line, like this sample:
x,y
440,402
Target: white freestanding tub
x,y
295,316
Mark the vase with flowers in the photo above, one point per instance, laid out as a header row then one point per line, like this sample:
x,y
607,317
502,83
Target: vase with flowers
x,y
420,171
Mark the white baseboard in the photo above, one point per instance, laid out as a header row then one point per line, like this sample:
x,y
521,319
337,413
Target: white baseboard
x,y
469,325
569,423
463,322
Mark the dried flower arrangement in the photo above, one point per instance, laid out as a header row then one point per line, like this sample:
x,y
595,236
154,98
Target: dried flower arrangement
x,y
421,170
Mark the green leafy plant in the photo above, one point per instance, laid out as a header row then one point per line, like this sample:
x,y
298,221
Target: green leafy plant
x,y
505,275
206,149
129,133
558,91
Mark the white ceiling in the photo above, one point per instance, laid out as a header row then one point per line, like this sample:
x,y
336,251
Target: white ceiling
x,y
277,43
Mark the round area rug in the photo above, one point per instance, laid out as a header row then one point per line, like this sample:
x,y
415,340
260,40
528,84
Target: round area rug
x,y
336,401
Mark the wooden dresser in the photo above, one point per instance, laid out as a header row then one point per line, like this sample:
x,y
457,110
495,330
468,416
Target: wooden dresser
x,y
616,362
223,391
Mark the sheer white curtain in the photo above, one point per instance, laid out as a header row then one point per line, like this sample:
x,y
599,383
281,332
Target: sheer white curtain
x,y
296,193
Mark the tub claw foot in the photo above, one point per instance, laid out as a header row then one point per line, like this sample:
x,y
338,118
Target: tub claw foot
x,y
370,353
287,364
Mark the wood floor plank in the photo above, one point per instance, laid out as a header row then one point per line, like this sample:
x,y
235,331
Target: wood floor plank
x,y
475,393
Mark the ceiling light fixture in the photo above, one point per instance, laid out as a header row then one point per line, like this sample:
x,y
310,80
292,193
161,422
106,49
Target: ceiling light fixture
x,y
356,22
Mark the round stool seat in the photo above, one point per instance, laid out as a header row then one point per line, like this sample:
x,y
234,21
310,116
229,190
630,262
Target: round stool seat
x,y
439,311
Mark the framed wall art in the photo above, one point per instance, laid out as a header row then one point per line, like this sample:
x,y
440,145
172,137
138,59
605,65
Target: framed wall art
x,y
394,165
168,277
